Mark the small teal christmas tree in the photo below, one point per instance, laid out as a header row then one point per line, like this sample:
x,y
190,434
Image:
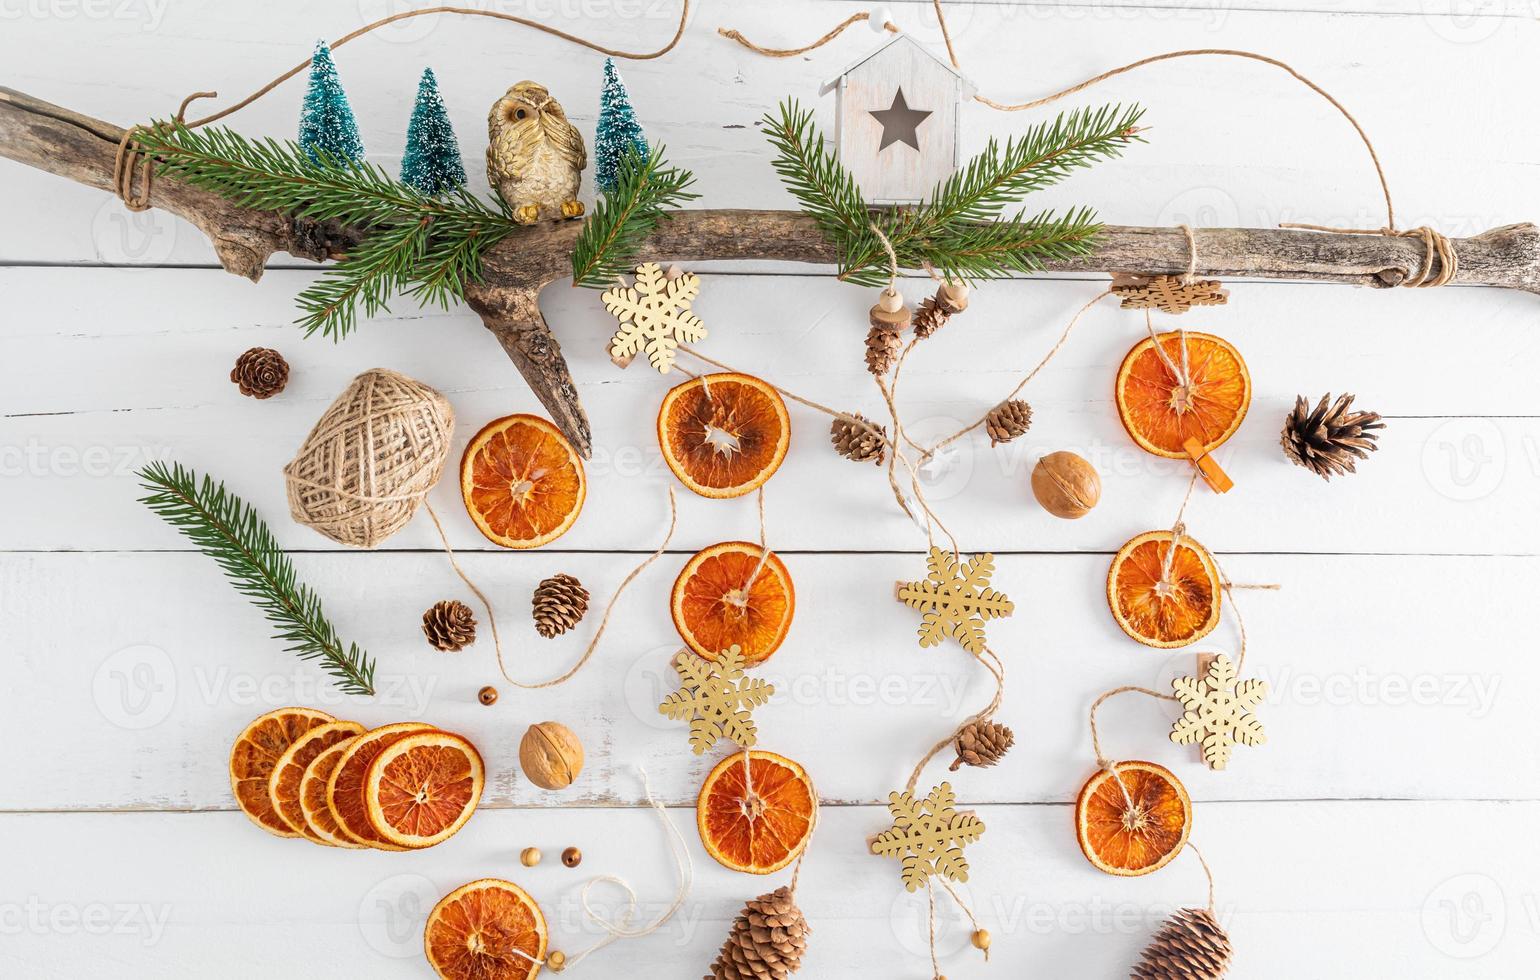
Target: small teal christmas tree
x,y
618,132
326,123
432,162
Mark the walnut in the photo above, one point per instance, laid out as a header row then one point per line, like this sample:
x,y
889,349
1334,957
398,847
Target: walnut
x,y
551,755
1066,485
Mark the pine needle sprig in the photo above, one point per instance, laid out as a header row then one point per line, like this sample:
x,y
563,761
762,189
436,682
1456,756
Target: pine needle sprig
x,y
231,532
961,229
428,247
645,188
813,174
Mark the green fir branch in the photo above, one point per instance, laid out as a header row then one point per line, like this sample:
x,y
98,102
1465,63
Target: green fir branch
x,y
961,229
645,188
813,174
428,247
230,531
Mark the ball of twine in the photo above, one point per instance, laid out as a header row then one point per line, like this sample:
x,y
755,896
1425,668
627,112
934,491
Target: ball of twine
x,y
371,459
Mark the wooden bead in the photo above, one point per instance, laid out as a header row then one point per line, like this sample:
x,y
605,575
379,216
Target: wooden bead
x,y
487,695
556,961
981,939
572,857
529,857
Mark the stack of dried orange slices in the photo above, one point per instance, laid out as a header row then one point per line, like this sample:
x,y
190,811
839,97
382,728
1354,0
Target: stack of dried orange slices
x,y
298,772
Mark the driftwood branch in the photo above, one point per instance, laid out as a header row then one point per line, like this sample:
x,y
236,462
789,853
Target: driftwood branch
x,y
57,140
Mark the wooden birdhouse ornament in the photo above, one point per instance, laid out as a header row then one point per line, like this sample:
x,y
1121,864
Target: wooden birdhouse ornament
x,y
896,121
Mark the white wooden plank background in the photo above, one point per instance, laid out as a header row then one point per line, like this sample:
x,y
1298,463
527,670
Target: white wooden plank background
x,y
1384,826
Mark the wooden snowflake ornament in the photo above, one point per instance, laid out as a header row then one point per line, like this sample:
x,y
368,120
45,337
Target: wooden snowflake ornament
x,y
1169,294
654,316
928,836
1218,711
956,599
716,699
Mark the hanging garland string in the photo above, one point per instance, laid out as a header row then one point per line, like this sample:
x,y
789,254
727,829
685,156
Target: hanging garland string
x,y
1439,262
604,621
132,160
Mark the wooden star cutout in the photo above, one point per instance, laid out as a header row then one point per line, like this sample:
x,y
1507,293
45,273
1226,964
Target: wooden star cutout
x,y
1169,294
900,124
1218,711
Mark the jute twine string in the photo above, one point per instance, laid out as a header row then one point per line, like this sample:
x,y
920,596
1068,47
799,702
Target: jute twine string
x,y
1059,345
1440,261
622,929
132,159
838,29
604,621
370,459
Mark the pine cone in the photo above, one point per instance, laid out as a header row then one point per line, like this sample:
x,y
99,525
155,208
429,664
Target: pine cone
x,y
932,316
1328,440
767,942
982,744
950,299
1007,420
260,372
449,625
1190,946
857,442
560,602
883,343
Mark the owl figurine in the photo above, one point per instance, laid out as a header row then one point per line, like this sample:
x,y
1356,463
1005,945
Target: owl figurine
x,y
535,158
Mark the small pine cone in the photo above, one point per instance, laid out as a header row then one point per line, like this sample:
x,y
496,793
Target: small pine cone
x,y
260,372
932,316
950,299
449,625
767,942
883,343
1191,945
1329,440
1007,420
560,602
982,744
857,442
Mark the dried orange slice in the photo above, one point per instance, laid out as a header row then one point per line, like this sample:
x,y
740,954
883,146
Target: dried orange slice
x,y
1161,413
1136,833
256,752
1161,609
345,786
716,606
723,435
320,825
421,789
487,930
283,784
756,815
522,481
